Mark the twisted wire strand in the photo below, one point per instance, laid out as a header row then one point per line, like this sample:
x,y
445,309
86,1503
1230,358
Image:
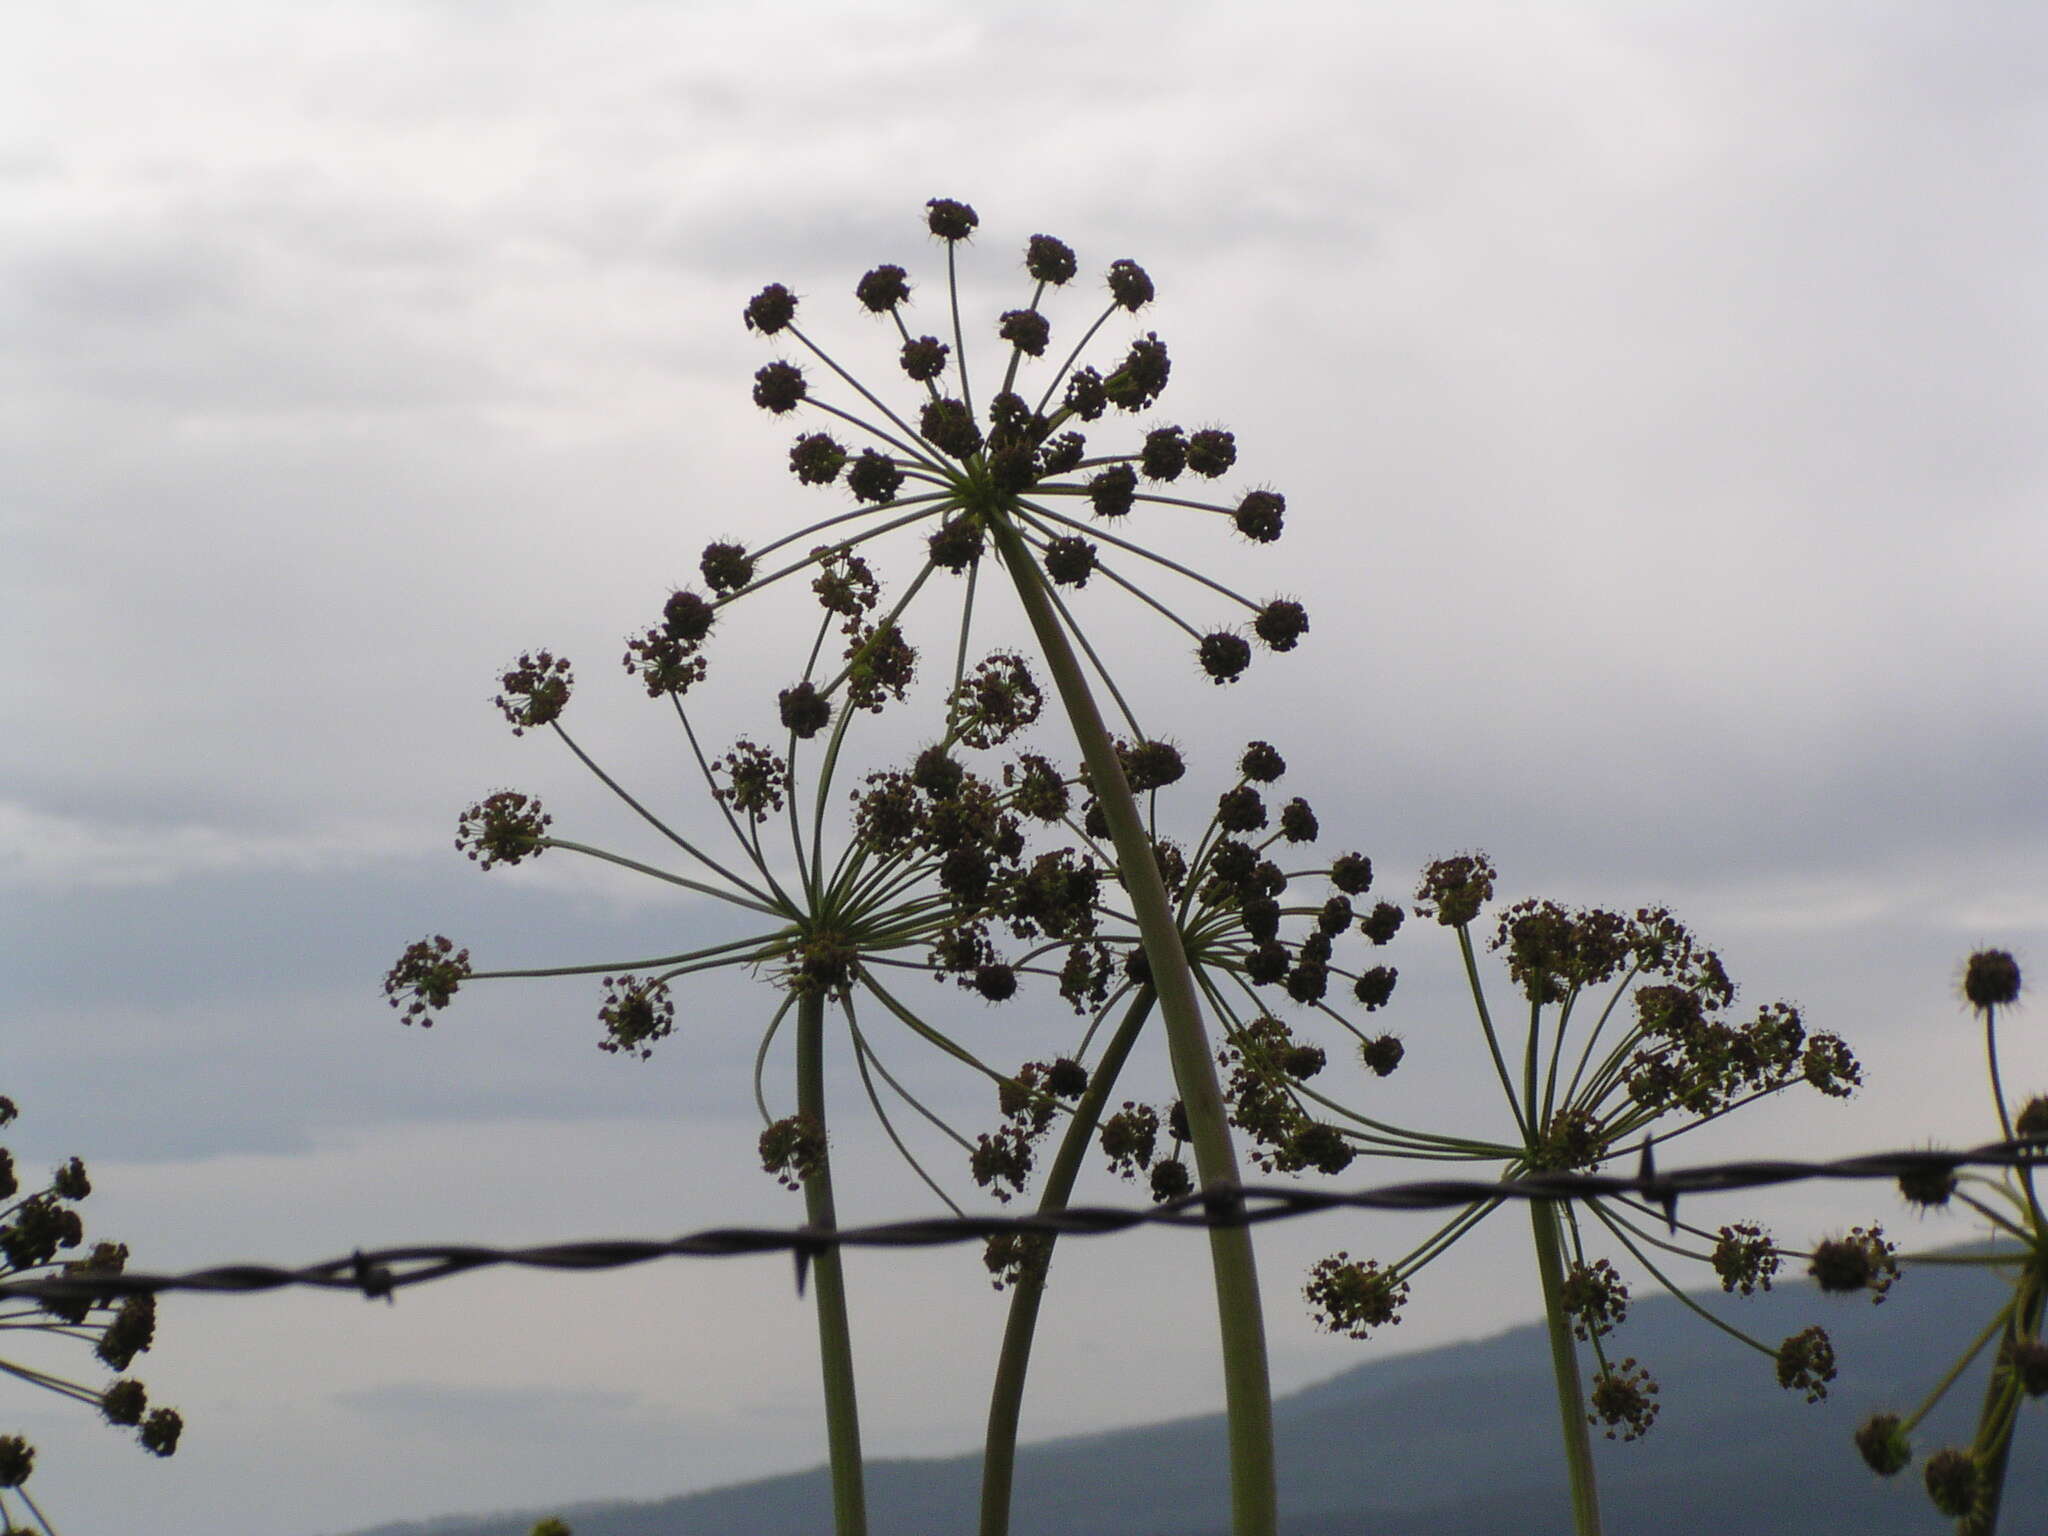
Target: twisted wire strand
x,y
384,1271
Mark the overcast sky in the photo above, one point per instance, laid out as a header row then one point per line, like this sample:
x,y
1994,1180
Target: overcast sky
x,y
1657,391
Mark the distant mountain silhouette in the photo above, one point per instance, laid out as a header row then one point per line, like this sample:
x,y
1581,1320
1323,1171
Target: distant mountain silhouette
x,y
1462,1441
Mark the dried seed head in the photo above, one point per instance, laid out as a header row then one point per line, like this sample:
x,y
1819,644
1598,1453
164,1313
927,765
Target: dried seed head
x,y
950,427
950,220
770,310
1087,397
1382,1054
1070,560
779,387
1991,979
1375,986
1113,492
874,477
1141,378
687,616
1165,453
955,544
726,567
1025,329
804,710
1224,655
1060,455
1049,260
1281,624
1129,285
816,459
1260,515
925,358
1261,763
1351,873
882,289
1211,452
1381,923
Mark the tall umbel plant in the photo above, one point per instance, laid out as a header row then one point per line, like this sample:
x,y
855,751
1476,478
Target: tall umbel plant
x,y
1001,491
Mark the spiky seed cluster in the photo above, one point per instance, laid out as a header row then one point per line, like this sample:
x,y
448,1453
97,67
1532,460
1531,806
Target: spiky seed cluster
x,y
770,310
1928,1187
882,289
1129,285
503,828
425,978
1352,1296
779,387
950,220
1991,979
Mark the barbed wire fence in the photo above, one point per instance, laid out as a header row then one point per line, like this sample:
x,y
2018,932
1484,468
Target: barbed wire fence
x,y
381,1273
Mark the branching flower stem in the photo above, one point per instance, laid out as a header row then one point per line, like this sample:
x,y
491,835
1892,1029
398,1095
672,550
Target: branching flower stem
x,y
1247,1390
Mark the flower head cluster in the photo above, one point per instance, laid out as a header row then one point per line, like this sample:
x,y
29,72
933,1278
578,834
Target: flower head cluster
x,y
1353,1297
40,1228
1012,468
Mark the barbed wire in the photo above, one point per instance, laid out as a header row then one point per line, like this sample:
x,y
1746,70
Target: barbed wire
x,y
384,1271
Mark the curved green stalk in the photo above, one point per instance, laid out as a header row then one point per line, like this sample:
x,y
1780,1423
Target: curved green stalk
x,y
1248,1397
1564,1364
835,1336
1006,1397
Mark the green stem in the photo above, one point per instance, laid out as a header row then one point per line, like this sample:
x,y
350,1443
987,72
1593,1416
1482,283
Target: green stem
x,y
1248,1398
835,1336
1564,1363
1006,1398
2001,1401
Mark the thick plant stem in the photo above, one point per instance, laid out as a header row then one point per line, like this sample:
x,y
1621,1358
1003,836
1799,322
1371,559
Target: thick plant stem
x,y
1247,1391
1564,1363
828,1284
1006,1397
